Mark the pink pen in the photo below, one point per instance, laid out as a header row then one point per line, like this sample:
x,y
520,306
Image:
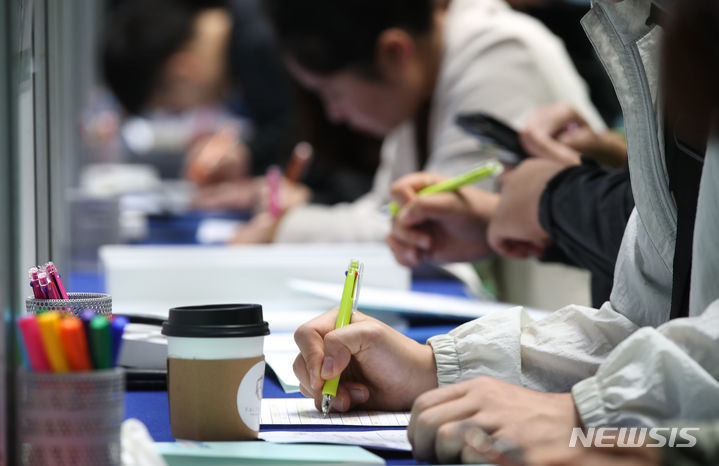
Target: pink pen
x,y
48,286
37,290
274,180
55,278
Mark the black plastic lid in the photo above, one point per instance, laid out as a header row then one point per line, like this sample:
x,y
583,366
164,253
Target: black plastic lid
x,y
216,321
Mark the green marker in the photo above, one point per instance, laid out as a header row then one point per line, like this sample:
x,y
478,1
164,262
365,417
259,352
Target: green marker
x,y
453,184
348,303
100,342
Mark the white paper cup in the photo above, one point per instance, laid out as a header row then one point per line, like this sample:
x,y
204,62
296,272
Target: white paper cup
x,y
215,368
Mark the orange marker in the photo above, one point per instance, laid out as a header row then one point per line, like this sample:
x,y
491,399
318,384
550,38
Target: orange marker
x,y
49,323
74,342
301,157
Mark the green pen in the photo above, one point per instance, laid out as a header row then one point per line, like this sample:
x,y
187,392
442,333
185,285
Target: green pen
x,y
483,171
100,342
348,303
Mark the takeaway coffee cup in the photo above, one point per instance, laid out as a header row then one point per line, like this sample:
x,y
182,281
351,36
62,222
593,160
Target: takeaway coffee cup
x,y
215,370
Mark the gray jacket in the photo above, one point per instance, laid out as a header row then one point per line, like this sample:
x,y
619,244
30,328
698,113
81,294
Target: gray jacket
x,y
624,363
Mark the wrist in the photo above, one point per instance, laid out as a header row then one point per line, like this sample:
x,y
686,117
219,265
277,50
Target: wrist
x,y
611,149
426,374
483,204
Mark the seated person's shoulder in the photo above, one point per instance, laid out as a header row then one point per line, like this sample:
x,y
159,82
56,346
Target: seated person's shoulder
x,y
475,26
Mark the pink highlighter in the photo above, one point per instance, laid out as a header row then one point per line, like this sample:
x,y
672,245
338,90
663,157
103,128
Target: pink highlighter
x,y
37,290
48,286
54,276
274,181
30,331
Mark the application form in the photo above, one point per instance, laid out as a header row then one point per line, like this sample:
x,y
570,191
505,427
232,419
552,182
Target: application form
x,y
302,411
395,439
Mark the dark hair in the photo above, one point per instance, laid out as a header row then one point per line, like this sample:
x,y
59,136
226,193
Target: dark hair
x,y
691,61
138,39
327,36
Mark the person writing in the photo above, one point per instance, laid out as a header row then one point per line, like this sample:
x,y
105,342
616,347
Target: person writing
x,y
404,70
553,206
630,362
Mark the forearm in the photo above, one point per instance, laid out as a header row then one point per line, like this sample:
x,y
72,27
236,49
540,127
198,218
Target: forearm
x,y
612,150
677,376
550,354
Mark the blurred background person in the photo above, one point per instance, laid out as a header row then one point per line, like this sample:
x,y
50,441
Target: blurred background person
x,y
404,71
179,56
561,206
562,17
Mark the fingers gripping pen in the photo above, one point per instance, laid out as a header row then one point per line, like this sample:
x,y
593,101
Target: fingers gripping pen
x,y
348,303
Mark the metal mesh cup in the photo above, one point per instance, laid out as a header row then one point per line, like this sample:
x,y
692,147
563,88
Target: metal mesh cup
x,y
78,302
70,418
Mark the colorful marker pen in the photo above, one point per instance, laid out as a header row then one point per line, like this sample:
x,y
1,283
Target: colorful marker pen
x,y
49,323
100,343
34,346
274,181
73,339
26,364
117,325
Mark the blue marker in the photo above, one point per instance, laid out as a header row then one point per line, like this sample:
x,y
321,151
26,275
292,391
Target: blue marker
x,y
117,327
86,315
23,350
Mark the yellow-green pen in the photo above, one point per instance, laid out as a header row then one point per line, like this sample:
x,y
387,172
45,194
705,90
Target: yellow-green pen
x,y
488,169
348,303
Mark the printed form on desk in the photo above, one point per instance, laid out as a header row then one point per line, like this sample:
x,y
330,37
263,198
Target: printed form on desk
x,y
302,411
395,439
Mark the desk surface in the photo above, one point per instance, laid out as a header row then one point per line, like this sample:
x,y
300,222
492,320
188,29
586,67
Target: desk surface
x,y
151,407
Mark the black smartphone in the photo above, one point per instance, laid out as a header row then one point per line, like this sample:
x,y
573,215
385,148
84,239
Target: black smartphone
x,y
489,130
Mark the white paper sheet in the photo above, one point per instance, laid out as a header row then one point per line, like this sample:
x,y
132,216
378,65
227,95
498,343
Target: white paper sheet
x,y
168,276
388,439
280,353
217,230
302,411
414,302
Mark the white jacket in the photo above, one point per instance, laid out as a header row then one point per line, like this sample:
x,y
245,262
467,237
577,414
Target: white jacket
x,y
495,60
624,364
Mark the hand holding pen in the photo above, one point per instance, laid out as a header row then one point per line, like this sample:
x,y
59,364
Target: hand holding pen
x,y
348,303
379,368
276,195
446,226
220,157
491,168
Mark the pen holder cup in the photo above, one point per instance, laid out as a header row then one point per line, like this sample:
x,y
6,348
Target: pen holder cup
x,y
70,418
101,303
